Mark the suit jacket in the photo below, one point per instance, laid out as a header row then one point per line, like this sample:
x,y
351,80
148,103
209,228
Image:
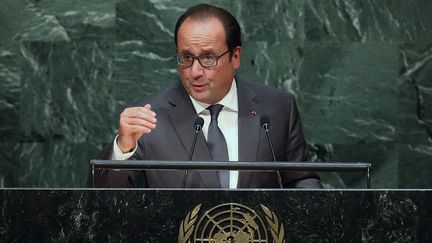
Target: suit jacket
x,y
172,139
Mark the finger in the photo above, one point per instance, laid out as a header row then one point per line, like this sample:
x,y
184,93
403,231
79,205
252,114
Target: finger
x,y
148,106
140,122
145,110
136,129
134,116
139,112
148,110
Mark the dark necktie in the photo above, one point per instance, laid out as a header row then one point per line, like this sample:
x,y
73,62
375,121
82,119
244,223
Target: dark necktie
x,y
217,144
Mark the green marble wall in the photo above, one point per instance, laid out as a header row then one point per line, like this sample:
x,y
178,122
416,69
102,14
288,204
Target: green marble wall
x,y
360,69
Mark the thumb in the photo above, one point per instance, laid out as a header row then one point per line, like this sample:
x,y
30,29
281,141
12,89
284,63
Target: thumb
x,y
147,106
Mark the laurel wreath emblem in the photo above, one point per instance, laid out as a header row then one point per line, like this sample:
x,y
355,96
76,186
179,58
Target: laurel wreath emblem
x,y
187,225
277,230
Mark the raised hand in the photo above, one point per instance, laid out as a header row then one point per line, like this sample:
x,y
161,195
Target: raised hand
x,y
134,123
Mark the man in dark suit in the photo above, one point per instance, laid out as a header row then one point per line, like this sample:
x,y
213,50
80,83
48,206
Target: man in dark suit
x,y
161,127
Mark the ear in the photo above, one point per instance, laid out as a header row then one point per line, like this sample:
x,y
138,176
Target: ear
x,y
235,59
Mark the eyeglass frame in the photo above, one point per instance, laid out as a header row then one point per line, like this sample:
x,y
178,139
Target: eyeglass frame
x,y
198,58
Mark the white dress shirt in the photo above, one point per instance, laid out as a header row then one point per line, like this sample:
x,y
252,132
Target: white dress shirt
x,y
227,121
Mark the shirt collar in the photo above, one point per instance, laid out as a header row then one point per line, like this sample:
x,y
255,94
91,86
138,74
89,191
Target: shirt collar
x,y
229,101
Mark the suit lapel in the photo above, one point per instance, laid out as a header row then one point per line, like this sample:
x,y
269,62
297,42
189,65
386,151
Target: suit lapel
x,y
249,129
182,116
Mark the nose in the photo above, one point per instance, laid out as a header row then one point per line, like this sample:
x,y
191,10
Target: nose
x,y
197,70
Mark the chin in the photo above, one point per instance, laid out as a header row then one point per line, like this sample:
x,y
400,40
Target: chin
x,y
203,99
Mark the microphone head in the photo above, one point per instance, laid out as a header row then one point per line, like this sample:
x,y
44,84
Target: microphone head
x,y
199,122
265,122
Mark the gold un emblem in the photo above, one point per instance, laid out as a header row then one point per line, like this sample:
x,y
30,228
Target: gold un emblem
x,y
230,223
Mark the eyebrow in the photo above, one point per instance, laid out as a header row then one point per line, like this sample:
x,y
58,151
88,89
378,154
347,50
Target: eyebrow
x,y
203,52
208,51
185,52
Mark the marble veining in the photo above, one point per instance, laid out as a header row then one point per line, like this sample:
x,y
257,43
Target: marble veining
x,y
360,72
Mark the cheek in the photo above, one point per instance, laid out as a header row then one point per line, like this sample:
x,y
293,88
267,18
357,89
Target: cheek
x,y
215,74
181,72
184,75
220,75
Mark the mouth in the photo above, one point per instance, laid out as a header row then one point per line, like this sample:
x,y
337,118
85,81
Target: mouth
x,y
198,87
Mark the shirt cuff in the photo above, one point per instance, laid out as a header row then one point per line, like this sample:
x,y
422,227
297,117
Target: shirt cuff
x,y
118,154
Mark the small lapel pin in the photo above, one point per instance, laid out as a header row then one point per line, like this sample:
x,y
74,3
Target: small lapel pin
x,y
253,112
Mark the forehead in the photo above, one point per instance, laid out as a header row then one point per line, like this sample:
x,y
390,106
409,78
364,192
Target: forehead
x,y
202,34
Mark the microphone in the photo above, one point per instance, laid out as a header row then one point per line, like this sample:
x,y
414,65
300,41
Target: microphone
x,y
265,124
199,122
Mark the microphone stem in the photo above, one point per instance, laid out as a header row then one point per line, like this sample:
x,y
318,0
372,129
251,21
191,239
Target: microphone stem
x,y
185,176
266,128
193,144
270,143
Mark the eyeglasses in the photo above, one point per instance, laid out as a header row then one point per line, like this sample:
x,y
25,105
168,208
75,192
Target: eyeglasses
x,y
207,60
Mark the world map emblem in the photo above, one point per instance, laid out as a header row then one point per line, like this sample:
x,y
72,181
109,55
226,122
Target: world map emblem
x,y
231,223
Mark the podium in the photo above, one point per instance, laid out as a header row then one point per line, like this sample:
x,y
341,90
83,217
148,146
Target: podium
x,y
162,215
215,215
